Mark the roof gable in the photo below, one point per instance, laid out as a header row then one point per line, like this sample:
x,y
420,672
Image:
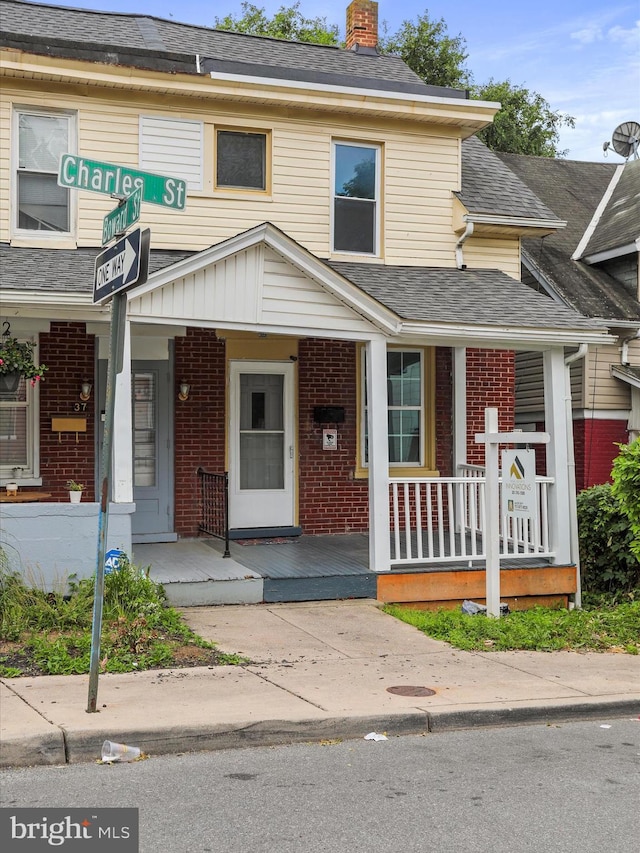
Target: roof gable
x,y
618,225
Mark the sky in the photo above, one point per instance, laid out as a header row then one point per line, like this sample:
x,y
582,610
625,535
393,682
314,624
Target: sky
x,y
582,56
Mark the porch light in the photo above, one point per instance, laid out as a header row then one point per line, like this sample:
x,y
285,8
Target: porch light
x,y
85,390
184,389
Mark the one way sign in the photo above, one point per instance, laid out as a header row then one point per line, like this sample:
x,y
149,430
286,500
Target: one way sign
x,y
124,264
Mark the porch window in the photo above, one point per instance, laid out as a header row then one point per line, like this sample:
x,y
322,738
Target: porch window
x,y
241,160
40,139
18,429
409,414
356,190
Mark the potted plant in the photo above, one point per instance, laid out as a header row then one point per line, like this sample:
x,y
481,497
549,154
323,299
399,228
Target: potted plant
x,y
75,491
16,360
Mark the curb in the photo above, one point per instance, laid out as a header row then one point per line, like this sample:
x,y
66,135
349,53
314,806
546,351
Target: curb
x,y
68,747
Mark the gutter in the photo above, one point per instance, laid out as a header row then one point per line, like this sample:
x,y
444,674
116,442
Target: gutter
x,y
624,349
574,538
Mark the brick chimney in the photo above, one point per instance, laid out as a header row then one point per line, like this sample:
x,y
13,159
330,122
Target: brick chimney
x,y
362,24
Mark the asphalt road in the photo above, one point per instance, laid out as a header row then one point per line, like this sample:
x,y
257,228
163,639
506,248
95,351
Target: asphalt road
x,y
573,788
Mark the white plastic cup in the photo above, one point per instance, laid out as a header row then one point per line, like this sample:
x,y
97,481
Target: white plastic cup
x,y
119,751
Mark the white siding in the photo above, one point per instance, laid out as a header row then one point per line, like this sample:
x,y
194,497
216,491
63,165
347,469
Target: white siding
x,y
603,391
173,147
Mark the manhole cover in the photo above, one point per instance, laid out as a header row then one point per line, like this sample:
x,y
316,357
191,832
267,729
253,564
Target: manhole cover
x,y
407,690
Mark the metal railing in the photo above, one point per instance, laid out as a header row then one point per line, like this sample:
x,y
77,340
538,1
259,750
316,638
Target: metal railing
x,y
214,506
442,520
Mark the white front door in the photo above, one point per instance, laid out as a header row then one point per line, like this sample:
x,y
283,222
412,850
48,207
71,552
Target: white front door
x,y
262,445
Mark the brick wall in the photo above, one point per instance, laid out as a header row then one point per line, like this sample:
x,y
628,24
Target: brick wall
x,y
490,383
331,500
199,421
69,354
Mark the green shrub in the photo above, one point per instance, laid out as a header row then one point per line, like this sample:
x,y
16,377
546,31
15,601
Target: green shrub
x,y
606,555
626,488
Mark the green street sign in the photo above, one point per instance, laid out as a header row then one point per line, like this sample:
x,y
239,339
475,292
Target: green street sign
x,y
125,214
82,174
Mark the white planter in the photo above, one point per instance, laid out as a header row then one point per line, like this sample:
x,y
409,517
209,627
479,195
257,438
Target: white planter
x,y
75,497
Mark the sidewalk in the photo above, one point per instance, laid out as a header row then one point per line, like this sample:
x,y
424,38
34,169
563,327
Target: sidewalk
x,y
319,670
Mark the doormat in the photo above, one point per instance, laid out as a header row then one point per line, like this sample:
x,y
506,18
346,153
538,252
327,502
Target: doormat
x,y
275,540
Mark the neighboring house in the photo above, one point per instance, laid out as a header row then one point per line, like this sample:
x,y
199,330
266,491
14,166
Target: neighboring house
x,y
327,319
591,266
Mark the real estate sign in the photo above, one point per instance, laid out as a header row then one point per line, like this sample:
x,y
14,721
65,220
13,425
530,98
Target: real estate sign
x,y
519,495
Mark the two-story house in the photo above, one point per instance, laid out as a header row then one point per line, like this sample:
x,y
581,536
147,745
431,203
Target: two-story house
x,y
591,266
326,321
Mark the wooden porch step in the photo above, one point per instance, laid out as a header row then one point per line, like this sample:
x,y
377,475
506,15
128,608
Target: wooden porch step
x,y
522,587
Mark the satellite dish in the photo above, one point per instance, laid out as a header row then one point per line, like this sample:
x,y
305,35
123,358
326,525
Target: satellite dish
x,y
626,138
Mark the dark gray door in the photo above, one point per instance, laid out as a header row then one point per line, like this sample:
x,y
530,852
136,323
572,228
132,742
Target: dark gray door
x,y
152,440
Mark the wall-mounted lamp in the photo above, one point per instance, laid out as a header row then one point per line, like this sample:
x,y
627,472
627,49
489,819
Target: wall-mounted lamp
x,y
183,391
85,390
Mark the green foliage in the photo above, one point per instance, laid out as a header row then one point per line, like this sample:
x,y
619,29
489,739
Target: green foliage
x,y
525,124
17,356
287,23
430,51
53,632
539,629
626,488
608,564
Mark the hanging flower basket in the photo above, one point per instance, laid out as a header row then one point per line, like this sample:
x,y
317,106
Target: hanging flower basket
x,y
16,360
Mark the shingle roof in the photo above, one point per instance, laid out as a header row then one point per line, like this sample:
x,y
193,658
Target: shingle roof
x,y
137,39
619,224
572,189
475,297
488,186
62,270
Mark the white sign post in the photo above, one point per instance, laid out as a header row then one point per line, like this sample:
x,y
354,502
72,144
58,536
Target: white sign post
x,y
491,438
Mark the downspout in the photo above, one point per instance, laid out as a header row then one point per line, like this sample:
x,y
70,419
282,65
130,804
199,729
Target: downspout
x,y
624,349
571,471
468,231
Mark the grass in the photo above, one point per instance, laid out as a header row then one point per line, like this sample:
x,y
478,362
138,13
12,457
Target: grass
x,y
601,627
46,633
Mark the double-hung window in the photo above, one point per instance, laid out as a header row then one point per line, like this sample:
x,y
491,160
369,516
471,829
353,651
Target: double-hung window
x,y
410,421
241,160
356,198
18,428
40,138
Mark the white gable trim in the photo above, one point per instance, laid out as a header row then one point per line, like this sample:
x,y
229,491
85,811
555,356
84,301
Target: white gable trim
x,y
381,318
595,219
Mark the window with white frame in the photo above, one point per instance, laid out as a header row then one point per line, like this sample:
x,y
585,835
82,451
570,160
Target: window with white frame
x,y
356,202
409,410
40,138
18,428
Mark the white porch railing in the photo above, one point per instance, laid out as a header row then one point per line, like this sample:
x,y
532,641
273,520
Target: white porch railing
x,y
442,520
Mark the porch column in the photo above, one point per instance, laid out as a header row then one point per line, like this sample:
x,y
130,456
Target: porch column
x,y
560,504
379,542
122,470
459,408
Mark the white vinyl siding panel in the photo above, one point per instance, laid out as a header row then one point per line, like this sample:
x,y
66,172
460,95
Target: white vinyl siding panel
x,y
491,253
173,147
603,391
5,167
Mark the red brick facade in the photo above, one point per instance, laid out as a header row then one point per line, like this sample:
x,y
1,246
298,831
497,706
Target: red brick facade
x,y
362,24
490,384
69,354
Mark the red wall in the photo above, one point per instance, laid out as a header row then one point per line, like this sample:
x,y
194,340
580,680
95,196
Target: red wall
x,y
69,354
490,384
595,449
199,421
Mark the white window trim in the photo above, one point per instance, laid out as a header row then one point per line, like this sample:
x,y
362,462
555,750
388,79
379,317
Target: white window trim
x,y
30,475
364,463
25,233
378,201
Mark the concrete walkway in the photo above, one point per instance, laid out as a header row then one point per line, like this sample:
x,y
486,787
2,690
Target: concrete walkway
x,y
320,670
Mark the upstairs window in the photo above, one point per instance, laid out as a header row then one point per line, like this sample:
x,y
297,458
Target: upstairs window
x,y
241,160
356,186
41,205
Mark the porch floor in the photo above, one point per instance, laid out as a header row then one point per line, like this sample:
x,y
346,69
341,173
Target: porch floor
x,y
193,571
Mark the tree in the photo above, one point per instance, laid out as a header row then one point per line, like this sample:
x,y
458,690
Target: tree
x,y
430,51
526,124
288,23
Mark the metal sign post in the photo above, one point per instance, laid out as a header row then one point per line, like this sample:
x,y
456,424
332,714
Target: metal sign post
x,y
115,363
491,438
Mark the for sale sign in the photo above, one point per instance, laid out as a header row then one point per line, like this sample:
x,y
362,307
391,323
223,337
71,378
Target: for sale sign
x,y
519,494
